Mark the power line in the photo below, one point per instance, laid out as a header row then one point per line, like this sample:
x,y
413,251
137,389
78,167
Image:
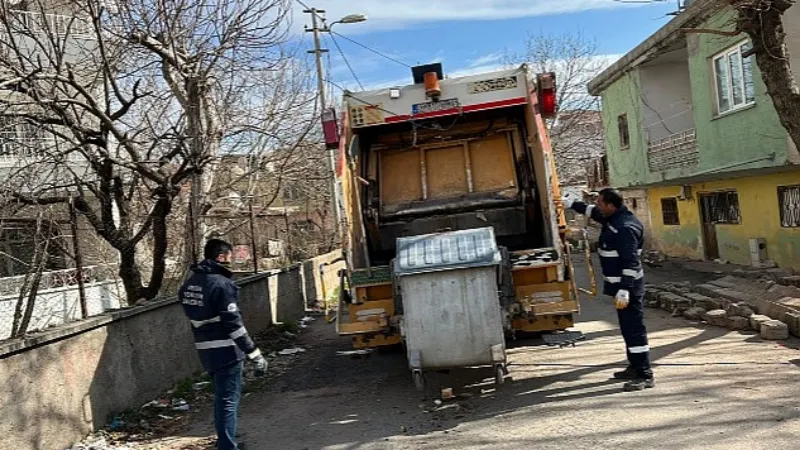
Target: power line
x,y
371,49
353,72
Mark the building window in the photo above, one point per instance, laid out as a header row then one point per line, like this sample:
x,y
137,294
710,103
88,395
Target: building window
x,y
669,211
721,207
789,202
624,133
733,78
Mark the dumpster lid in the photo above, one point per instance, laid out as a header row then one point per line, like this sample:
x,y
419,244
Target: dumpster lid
x,y
444,251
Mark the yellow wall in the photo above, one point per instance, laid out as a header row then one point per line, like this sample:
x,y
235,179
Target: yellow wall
x,y
760,217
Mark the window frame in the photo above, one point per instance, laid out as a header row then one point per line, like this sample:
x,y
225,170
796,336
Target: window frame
x,y
782,214
624,144
676,212
726,56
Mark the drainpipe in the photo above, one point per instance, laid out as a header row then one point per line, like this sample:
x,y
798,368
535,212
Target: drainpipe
x,y
770,157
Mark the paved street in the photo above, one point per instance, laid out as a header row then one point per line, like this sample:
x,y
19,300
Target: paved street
x,y
716,389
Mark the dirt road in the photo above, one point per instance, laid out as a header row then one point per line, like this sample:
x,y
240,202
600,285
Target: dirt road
x,y
716,389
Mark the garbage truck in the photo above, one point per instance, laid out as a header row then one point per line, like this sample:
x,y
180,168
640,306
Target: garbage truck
x,y
455,234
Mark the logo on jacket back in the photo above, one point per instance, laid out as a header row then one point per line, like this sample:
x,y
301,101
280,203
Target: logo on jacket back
x,y
192,296
232,307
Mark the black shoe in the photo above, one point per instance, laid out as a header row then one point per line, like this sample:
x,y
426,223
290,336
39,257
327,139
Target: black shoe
x,y
627,374
639,384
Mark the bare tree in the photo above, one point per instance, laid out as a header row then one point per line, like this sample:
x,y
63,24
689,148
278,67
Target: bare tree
x,y
130,103
763,22
577,131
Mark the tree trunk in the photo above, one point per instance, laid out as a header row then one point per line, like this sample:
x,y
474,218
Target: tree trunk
x,y
39,264
766,29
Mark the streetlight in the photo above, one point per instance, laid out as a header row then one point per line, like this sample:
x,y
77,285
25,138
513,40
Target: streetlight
x,y
350,18
318,51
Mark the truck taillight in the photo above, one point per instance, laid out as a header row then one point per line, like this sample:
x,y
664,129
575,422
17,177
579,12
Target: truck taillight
x,y
546,88
330,128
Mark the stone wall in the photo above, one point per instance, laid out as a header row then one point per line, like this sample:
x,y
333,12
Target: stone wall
x,y
63,383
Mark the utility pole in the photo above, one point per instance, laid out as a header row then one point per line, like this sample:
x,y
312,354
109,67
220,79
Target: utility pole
x,y
318,52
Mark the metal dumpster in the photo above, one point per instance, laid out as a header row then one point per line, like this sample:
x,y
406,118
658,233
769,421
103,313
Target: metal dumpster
x,y
448,283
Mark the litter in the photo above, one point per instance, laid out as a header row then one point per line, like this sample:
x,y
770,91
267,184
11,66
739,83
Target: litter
x,y
447,393
354,352
99,444
158,403
291,351
201,385
307,319
180,404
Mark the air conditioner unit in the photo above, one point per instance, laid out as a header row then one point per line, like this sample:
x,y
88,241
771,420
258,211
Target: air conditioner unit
x,y
758,253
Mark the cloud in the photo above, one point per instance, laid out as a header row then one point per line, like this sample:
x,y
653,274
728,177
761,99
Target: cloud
x,y
385,14
490,59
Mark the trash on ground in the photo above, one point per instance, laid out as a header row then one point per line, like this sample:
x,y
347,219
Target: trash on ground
x,y
307,319
437,402
180,404
291,351
201,385
157,403
365,351
99,444
447,393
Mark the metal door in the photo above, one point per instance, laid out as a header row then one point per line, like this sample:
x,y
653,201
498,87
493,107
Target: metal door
x,y
709,227
717,208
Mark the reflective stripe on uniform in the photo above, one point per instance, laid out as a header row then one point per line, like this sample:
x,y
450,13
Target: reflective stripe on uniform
x,y
613,279
608,253
238,333
200,323
636,274
214,344
589,210
613,230
639,252
641,349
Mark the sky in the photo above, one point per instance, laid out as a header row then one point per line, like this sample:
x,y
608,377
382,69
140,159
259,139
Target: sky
x,y
469,36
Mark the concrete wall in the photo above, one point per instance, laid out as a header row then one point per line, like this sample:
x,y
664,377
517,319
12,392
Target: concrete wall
x,y
760,218
667,97
637,201
626,167
63,383
792,30
315,291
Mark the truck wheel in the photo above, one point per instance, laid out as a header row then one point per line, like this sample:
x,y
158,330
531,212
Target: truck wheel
x,y
419,380
499,374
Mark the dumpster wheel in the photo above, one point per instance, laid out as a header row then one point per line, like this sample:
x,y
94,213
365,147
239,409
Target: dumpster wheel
x,y
500,373
419,380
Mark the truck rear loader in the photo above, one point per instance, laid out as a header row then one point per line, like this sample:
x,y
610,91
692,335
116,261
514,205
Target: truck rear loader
x,y
455,235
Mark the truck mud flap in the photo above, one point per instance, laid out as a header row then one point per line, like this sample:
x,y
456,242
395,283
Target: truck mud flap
x,y
563,339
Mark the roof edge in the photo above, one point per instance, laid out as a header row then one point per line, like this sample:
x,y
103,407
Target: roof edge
x,y
695,13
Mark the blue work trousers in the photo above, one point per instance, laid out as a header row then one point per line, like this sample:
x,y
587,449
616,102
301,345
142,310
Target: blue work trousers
x,y
227,392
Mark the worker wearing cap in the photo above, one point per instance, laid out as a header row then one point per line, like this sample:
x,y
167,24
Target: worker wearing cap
x,y
620,249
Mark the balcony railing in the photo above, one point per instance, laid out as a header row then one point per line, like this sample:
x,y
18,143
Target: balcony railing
x,y
677,150
51,24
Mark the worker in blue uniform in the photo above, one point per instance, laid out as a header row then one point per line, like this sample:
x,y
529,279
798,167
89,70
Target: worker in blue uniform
x,y
620,249
210,301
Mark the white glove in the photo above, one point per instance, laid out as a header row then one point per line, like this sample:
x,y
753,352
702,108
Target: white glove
x,y
567,200
622,299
